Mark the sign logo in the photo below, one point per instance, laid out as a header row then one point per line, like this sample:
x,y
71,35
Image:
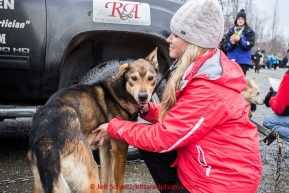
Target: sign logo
x,y
121,12
3,38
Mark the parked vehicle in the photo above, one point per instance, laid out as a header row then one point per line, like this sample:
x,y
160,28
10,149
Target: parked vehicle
x,y
46,45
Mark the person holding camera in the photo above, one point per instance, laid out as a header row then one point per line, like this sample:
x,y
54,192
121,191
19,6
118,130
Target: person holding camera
x,y
241,39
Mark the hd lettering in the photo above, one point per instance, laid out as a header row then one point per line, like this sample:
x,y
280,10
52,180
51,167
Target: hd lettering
x,y
14,50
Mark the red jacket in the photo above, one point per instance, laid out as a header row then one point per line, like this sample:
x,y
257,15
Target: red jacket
x,y
217,145
280,103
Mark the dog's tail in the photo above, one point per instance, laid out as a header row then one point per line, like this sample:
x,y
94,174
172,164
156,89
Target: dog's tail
x,y
49,166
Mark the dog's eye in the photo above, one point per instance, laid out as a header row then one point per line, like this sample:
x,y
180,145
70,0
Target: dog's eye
x,y
150,78
258,93
134,78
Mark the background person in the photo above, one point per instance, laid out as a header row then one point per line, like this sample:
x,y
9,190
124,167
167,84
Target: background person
x,y
257,57
279,103
285,61
271,61
275,61
199,137
241,39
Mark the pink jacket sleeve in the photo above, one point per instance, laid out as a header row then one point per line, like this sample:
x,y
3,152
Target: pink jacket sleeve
x,y
280,103
196,112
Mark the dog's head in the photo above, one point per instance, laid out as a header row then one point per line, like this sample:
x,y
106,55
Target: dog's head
x,y
252,93
140,77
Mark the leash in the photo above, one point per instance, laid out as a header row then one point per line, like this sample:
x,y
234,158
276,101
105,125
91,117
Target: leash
x,y
172,68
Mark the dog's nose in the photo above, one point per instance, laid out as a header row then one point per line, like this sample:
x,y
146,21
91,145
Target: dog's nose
x,y
142,96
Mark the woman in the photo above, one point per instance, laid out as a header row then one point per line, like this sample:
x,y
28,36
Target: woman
x,y
201,137
241,39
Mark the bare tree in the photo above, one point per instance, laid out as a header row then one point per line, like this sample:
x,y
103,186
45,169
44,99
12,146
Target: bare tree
x,y
267,36
275,20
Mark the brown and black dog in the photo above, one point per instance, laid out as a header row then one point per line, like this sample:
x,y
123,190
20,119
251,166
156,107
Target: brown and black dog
x,y
60,154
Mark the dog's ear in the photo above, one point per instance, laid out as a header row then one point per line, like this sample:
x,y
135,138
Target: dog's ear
x,y
119,83
122,70
249,84
152,57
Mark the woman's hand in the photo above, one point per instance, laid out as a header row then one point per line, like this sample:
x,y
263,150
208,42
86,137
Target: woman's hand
x,y
236,38
232,40
145,109
102,135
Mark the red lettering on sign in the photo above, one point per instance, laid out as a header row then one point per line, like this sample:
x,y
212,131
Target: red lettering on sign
x,y
122,10
114,8
134,10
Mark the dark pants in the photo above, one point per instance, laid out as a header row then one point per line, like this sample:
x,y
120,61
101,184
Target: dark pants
x,y
257,66
165,177
245,68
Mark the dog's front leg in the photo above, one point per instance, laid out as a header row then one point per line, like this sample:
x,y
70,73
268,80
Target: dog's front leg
x,y
119,155
106,166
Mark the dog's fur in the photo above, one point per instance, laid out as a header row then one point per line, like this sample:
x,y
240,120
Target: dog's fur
x,y
252,95
60,154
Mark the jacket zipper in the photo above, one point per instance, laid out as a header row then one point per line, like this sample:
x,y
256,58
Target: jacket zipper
x,y
203,163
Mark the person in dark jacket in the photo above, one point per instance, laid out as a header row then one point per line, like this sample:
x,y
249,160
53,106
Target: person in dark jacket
x,y
257,56
241,39
285,61
279,103
275,61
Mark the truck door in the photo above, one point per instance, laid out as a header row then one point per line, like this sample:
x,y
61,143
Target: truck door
x,y
22,50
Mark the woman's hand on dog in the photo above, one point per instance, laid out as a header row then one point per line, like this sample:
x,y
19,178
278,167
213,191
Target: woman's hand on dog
x,y
145,109
102,135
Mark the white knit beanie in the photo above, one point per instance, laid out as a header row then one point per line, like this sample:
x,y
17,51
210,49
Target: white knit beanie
x,y
199,22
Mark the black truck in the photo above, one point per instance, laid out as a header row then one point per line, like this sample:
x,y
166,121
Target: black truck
x,y
46,45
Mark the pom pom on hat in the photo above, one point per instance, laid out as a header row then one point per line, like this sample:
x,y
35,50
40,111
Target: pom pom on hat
x,y
199,22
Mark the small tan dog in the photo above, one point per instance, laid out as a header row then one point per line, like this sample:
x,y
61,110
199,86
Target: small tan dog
x,y
252,95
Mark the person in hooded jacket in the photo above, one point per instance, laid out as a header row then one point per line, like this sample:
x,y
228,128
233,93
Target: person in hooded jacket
x,y
241,39
200,138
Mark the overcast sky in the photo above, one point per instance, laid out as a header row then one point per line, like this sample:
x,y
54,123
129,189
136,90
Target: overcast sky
x,y
283,8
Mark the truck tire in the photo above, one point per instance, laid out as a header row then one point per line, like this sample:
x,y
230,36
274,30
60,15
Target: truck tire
x,y
110,68
106,69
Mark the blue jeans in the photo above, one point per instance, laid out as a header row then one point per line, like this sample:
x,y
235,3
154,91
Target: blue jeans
x,y
270,65
278,123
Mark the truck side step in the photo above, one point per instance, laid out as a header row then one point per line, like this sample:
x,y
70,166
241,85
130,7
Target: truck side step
x,y
9,111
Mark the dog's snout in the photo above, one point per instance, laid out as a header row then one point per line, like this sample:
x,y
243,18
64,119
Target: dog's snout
x,y
142,96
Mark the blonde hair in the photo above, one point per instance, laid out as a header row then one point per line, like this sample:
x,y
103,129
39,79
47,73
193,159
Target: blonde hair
x,y
169,97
